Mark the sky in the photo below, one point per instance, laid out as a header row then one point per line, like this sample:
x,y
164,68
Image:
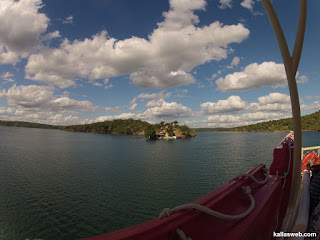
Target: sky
x,y
213,63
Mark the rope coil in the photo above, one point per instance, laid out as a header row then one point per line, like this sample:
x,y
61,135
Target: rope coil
x,y
254,179
247,190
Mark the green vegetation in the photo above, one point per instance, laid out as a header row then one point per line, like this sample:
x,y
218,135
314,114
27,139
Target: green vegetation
x,y
26,124
119,126
310,122
131,127
171,129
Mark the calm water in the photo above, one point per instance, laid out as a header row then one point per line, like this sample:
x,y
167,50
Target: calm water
x,y
60,185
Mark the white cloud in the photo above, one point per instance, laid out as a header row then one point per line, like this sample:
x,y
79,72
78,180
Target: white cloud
x,y
112,109
230,105
254,76
248,4
270,107
163,60
13,114
167,110
133,105
314,106
242,120
108,86
121,116
157,111
21,28
7,77
52,35
68,20
154,103
273,102
225,4
41,98
274,98
302,79
235,61
161,95
158,79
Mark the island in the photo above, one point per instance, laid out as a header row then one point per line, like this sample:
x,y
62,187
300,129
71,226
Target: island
x,y
135,127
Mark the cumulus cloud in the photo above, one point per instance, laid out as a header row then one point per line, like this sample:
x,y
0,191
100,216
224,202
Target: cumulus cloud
x,y
254,76
225,4
230,105
302,79
248,4
52,35
14,114
241,120
112,109
272,102
154,103
157,110
274,98
161,95
235,112
21,28
68,20
163,60
41,98
7,77
314,106
235,62
167,110
121,116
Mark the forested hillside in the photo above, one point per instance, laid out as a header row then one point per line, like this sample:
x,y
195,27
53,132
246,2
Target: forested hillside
x,y
26,124
310,122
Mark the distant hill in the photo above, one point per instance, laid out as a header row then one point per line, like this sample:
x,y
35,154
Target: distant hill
x,y
310,122
26,124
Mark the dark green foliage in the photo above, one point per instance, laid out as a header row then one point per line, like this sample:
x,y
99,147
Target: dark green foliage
x,y
150,131
118,126
131,127
185,131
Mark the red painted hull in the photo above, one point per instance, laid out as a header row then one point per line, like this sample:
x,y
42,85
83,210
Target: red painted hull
x,y
271,203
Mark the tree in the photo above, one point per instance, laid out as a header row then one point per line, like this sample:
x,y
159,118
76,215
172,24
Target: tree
x,y
162,124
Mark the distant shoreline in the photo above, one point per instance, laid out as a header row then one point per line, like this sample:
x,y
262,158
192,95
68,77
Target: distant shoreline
x,y
310,122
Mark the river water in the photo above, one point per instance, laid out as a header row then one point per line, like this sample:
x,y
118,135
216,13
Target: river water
x,y
57,185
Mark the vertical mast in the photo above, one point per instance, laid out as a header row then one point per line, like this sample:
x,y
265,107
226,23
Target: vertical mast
x,y
291,64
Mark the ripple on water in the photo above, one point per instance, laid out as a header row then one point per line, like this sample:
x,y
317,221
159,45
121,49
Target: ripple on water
x,y
61,185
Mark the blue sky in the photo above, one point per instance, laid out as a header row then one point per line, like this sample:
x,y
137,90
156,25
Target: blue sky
x,y
213,63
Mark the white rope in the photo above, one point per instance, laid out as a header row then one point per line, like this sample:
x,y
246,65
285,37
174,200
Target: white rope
x,y
168,212
253,178
182,235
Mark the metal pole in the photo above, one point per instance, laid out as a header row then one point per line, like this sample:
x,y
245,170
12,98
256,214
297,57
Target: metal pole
x,y
291,66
